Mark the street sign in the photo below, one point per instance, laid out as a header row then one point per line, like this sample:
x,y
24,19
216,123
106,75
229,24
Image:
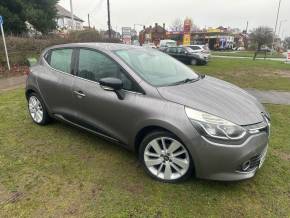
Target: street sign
x,y
126,35
4,41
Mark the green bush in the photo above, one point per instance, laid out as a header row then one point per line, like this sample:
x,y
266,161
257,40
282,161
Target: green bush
x,y
21,48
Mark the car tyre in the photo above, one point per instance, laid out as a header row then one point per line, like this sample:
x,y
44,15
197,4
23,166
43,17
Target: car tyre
x,y
193,62
165,158
37,109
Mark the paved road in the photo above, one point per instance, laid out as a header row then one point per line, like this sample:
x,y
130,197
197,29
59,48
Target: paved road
x,y
271,97
251,58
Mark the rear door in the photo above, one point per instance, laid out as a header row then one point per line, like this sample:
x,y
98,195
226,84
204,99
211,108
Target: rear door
x,y
55,82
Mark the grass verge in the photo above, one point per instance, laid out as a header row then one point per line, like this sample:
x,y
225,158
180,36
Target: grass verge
x,y
259,74
59,171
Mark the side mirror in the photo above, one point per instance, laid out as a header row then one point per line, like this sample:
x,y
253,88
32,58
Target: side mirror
x,y
113,84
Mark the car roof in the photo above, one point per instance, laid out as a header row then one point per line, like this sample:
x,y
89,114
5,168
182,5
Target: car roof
x,y
100,46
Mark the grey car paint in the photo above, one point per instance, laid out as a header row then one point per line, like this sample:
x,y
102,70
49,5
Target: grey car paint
x,y
163,107
217,97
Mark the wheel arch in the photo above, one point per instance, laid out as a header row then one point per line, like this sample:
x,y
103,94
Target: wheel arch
x,y
151,128
158,126
28,91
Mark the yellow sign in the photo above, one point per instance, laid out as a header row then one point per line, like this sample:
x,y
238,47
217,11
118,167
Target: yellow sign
x,y
186,39
211,30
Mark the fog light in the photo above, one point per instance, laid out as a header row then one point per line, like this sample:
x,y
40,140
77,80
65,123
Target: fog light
x,y
246,165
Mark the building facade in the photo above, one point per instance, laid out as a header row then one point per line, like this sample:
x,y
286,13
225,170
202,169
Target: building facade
x,y
64,21
152,34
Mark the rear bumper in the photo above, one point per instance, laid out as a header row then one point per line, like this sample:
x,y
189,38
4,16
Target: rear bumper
x,y
224,162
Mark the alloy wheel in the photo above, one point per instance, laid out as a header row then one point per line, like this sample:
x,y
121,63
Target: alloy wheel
x,y
35,109
166,158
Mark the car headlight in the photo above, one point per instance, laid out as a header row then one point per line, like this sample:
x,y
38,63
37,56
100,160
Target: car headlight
x,y
214,126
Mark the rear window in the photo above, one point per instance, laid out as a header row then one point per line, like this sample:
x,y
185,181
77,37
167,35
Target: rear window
x,y
60,59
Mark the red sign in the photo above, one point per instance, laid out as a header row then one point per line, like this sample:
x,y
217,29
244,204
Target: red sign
x,y
288,56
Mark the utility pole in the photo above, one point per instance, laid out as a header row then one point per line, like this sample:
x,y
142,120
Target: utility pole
x,y
277,18
72,15
109,19
89,23
247,26
279,30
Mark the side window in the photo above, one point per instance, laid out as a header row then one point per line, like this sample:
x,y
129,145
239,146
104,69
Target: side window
x,y
95,66
181,50
172,50
60,59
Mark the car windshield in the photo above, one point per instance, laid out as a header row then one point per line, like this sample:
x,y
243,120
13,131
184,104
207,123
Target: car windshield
x,y
155,67
190,50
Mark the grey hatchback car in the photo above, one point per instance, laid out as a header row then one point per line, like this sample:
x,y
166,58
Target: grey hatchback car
x,y
178,122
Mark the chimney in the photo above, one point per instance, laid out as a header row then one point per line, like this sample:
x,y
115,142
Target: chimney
x,y
164,31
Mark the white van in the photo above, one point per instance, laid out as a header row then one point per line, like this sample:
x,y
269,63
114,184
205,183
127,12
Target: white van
x,y
167,43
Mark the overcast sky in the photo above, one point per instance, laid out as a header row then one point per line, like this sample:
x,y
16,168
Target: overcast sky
x,y
209,13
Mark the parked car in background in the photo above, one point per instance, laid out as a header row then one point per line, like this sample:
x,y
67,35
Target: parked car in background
x,y
149,45
239,49
167,43
200,48
177,121
265,49
187,55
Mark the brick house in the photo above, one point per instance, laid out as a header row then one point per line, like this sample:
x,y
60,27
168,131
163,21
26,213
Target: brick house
x,y
152,34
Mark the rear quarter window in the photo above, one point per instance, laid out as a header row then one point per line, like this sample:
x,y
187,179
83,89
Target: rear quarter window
x,y
60,59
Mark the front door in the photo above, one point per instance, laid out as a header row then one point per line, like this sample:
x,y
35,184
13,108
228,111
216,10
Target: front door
x,y
97,108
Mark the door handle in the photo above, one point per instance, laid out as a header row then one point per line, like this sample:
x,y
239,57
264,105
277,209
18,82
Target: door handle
x,y
80,94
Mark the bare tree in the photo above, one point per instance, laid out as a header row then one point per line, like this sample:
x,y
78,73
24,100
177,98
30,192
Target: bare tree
x,y
262,36
177,25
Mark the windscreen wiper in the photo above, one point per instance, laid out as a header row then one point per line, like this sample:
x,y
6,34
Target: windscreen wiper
x,y
187,80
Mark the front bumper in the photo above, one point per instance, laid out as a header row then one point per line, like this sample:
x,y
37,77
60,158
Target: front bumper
x,y
216,161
